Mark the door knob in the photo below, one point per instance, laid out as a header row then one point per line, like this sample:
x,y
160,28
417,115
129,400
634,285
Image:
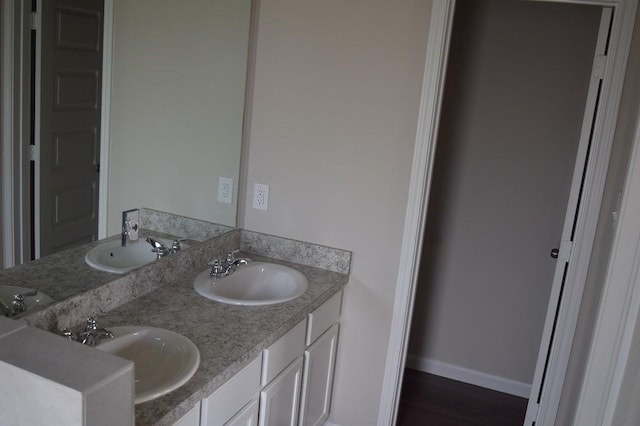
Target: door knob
x,y
555,252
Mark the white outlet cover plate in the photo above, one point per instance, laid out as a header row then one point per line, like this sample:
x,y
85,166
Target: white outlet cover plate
x,y
225,190
260,196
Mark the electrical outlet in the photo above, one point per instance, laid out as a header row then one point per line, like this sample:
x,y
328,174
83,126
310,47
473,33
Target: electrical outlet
x,y
260,196
225,189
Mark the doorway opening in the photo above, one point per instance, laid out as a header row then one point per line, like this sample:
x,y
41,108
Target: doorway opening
x,y
510,161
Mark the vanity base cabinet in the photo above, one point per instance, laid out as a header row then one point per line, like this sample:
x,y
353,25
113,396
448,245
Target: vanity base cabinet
x,y
319,363
230,399
192,418
279,400
289,384
248,416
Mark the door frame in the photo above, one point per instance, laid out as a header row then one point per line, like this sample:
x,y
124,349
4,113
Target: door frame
x,y
16,106
440,29
16,61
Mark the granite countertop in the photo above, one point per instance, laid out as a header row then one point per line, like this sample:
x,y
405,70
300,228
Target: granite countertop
x,y
64,274
161,295
227,336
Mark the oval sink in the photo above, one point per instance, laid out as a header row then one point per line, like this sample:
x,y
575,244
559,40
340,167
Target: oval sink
x,y
112,257
164,360
257,283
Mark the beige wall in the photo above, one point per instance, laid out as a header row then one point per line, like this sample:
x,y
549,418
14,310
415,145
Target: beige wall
x,y
337,87
1,127
176,105
506,150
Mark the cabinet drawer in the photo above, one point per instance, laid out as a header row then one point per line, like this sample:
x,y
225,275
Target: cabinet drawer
x,y
227,400
192,418
282,353
248,416
323,317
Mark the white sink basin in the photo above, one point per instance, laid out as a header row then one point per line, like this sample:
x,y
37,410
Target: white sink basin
x,y
112,257
257,283
164,360
39,299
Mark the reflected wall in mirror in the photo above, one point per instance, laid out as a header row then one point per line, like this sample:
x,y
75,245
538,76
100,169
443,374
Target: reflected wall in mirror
x,y
177,104
172,120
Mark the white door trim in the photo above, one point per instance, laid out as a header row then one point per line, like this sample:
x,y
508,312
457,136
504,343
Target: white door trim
x,y
105,117
7,99
582,242
618,311
16,118
415,217
437,47
622,30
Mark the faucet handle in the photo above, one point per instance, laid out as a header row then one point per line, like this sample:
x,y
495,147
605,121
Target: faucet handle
x,y
231,256
91,324
176,246
19,305
68,334
217,268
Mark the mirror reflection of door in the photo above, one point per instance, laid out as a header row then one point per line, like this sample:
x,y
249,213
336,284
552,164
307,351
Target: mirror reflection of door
x,y
67,95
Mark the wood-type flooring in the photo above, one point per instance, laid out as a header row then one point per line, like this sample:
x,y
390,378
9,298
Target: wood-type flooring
x,y
428,400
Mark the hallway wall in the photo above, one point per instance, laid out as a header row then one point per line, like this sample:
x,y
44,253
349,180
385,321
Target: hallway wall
x,y
512,114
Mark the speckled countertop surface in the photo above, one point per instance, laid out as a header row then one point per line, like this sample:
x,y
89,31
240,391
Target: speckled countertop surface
x,y
161,295
64,274
227,336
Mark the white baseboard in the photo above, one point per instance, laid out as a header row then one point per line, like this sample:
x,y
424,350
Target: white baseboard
x,y
467,375
330,424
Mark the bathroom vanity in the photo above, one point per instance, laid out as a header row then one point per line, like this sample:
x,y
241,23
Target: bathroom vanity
x,y
258,364
291,379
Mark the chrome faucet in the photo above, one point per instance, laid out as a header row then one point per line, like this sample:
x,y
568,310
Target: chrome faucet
x,y
91,334
18,305
221,268
232,262
217,270
161,249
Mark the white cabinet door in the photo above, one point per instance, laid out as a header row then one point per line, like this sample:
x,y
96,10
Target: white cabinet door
x,y
319,363
248,416
279,399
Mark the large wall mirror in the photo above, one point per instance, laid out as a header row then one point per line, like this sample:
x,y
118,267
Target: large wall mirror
x,y
175,97
179,74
